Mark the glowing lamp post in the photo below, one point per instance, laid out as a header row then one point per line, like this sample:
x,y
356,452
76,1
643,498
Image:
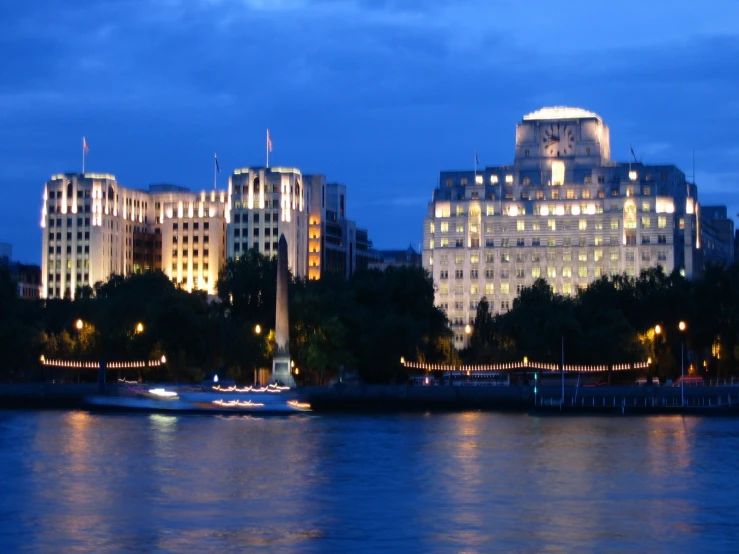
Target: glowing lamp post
x,y
657,333
79,324
139,328
681,327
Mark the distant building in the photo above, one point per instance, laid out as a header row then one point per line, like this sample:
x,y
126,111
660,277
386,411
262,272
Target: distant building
x,y
28,278
395,258
717,236
563,211
6,253
336,245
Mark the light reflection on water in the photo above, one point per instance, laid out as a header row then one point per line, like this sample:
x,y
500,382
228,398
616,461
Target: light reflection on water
x,y
472,482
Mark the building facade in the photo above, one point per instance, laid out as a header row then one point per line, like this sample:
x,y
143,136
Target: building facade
x,y
336,245
94,228
562,211
263,204
717,236
395,258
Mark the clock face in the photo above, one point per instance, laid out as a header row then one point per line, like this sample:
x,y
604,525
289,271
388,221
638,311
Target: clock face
x,y
558,139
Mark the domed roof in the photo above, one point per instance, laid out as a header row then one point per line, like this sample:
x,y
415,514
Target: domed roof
x,y
561,112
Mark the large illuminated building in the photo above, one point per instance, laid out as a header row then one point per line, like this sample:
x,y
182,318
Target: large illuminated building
x,y
94,228
265,203
563,211
311,213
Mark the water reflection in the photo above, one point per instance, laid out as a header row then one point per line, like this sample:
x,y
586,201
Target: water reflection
x,y
470,482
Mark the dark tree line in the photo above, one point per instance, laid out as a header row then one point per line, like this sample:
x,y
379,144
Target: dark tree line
x,y
363,325
613,320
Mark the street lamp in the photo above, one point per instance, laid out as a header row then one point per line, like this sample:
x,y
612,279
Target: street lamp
x,y
681,327
79,324
258,329
657,333
139,327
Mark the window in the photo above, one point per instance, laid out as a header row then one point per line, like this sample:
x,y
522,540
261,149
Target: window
x,y
551,272
489,274
460,228
614,224
459,258
505,306
552,225
661,222
520,225
570,194
586,194
535,272
505,257
489,288
474,274
444,274
583,224
520,274
566,271
614,255
459,274
661,239
474,288
582,256
505,288
645,222
582,271
646,256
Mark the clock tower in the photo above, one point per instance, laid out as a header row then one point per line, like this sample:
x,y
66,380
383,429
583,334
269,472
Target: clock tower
x,y
577,137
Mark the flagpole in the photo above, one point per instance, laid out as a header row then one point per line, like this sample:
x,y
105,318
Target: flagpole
x,y
215,171
267,145
83,155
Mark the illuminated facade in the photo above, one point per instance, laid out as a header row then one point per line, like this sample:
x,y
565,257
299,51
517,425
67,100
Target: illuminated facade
x,y
264,203
94,228
88,222
192,229
563,211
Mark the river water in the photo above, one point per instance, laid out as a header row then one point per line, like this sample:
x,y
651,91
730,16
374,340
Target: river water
x,y
470,482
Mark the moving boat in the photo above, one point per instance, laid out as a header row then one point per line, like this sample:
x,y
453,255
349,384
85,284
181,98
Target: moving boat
x,y
272,399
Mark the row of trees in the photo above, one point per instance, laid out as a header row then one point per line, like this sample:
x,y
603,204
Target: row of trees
x,y
367,323
364,324
614,319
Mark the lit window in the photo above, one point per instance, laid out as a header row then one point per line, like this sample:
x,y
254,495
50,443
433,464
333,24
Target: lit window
x,y
478,179
535,272
551,272
520,225
505,288
583,224
493,179
633,175
509,179
558,172
662,222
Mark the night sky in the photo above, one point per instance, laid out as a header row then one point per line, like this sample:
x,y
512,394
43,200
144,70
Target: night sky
x,y
377,94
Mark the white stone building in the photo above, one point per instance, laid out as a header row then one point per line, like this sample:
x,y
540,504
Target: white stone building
x,y
562,211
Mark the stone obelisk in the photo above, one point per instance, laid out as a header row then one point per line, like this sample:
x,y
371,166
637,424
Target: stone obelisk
x,y
281,363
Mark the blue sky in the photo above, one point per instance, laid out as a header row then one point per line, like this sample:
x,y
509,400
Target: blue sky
x,y
377,94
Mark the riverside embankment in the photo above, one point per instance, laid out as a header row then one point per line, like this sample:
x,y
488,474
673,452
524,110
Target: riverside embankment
x,y
721,400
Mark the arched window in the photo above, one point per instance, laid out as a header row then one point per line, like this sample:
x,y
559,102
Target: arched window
x,y
256,185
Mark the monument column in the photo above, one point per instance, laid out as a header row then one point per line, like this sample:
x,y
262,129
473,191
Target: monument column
x,y
281,362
